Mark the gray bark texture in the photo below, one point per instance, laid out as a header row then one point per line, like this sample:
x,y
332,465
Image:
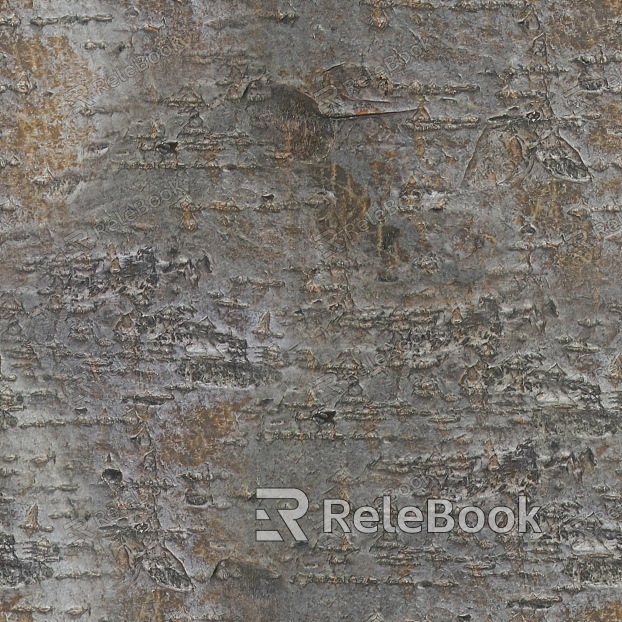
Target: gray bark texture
x,y
352,247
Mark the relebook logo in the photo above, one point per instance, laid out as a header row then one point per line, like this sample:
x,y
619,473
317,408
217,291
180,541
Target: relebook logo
x,y
439,517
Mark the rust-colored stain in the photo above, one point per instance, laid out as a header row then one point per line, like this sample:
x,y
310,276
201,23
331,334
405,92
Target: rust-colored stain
x,y
606,135
199,436
579,25
46,134
612,612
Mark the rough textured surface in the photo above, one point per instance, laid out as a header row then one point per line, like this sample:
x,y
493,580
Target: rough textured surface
x,y
348,247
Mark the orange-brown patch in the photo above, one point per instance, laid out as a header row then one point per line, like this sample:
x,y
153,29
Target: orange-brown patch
x,y
582,25
46,132
612,612
199,436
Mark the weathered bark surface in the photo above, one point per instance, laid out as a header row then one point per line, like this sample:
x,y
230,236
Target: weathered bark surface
x,y
347,247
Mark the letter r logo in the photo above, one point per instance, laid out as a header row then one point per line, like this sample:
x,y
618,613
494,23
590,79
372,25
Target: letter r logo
x,y
290,517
